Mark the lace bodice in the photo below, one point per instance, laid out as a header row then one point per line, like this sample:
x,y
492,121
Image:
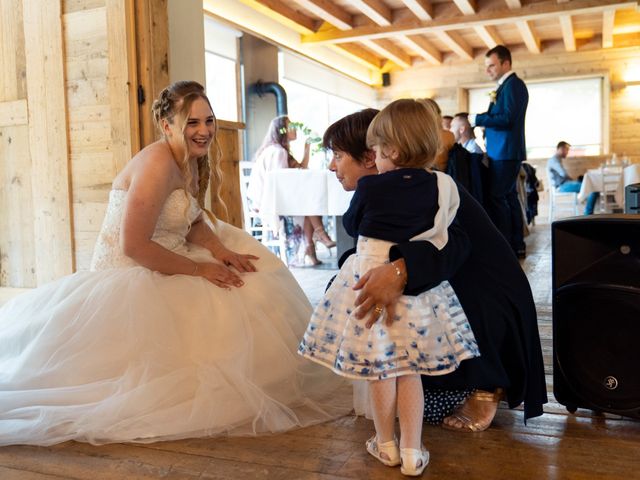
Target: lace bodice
x,y
172,227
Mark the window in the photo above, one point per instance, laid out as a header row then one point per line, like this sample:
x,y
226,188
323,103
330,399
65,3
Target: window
x,y
221,69
317,97
316,110
569,110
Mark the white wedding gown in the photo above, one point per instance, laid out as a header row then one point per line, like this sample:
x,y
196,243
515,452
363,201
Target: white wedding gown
x,y
125,354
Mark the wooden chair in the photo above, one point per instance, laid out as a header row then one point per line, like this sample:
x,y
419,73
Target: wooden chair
x,y
252,222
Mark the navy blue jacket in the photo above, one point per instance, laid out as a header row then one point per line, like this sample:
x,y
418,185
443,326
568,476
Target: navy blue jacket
x,y
504,121
496,297
393,206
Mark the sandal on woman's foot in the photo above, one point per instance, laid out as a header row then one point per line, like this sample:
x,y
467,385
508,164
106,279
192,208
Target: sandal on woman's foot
x,y
320,235
310,258
467,418
413,461
387,453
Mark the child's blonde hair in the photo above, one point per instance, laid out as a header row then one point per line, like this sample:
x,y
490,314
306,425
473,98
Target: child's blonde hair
x,y
410,126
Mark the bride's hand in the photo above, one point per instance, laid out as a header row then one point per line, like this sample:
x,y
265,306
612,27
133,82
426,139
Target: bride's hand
x,y
240,261
219,275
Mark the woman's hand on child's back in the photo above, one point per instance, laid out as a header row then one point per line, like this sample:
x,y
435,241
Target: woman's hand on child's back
x,y
380,288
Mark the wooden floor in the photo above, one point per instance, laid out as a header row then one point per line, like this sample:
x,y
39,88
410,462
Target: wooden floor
x,y
557,445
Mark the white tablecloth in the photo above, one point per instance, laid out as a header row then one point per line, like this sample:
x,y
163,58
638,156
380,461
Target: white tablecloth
x,y
295,191
632,174
592,182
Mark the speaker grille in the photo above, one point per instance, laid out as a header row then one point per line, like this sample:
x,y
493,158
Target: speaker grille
x,y
599,337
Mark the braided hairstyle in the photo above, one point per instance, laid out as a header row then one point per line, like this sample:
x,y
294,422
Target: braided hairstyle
x,y
176,99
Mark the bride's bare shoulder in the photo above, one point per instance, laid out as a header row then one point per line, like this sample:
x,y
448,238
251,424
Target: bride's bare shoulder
x,y
156,152
154,160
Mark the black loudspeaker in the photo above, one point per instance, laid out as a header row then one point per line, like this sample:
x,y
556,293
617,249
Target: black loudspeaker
x,y
632,198
386,79
596,313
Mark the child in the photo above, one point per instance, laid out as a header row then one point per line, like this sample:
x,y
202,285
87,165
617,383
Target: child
x,y
430,334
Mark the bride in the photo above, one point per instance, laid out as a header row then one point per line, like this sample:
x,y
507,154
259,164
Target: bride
x,y
172,334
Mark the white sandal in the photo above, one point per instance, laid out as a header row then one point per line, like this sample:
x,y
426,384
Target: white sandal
x,y
389,449
413,461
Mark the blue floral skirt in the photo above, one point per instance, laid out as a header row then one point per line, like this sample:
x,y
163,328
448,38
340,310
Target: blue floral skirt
x,y
430,334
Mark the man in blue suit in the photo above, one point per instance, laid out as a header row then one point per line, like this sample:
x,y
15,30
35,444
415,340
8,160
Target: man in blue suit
x,y
504,134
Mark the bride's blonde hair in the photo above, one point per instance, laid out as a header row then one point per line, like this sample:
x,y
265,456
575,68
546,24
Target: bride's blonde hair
x,y
175,101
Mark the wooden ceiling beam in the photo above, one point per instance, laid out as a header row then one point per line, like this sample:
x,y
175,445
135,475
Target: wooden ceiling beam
x,y
530,12
424,48
455,42
568,34
375,10
489,36
467,7
329,12
422,9
528,35
290,15
359,55
388,49
608,22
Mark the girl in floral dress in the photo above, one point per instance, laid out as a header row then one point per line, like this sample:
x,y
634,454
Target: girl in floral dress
x,y
429,333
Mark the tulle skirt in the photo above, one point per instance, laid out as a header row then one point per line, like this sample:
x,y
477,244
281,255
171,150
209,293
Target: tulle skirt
x,y
131,355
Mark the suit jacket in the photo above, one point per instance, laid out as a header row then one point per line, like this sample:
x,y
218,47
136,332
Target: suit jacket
x,y
504,121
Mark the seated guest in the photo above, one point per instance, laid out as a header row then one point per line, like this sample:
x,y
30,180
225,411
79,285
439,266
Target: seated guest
x,y
446,122
463,133
274,153
562,182
447,140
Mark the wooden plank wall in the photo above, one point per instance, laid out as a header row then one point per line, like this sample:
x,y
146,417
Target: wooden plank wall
x,y
99,87
35,225
17,250
443,84
67,125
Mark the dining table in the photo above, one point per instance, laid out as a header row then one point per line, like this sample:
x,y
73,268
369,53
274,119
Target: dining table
x,y
303,192
594,181
296,191
620,176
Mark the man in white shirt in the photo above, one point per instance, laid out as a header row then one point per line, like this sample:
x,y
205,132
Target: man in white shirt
x,y
463,133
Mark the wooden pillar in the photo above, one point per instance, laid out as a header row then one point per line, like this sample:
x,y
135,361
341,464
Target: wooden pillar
x,y
230,155
152,45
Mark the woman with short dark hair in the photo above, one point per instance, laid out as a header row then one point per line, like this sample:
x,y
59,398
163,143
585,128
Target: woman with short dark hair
x,y
485,274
